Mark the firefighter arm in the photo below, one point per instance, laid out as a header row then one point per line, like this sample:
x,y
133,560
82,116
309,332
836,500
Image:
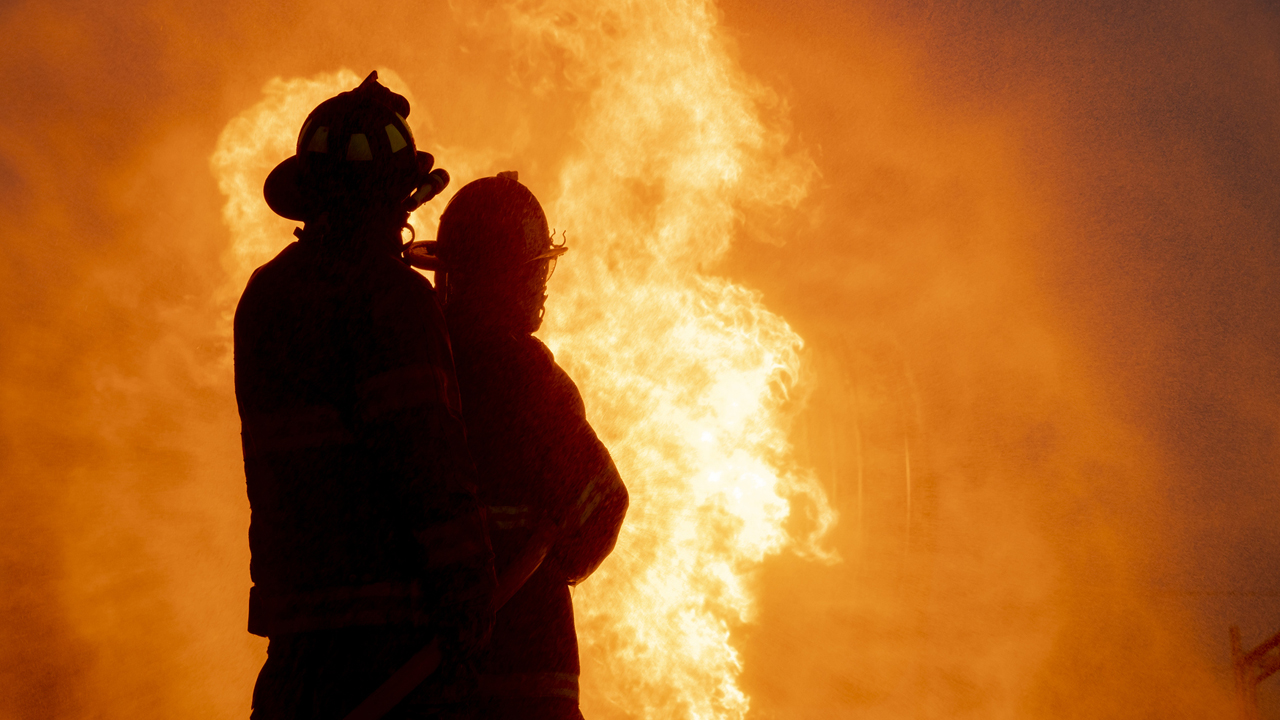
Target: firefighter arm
x,y
591,525
587,498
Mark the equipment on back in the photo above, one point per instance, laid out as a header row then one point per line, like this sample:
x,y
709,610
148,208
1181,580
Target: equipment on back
x,y
354,149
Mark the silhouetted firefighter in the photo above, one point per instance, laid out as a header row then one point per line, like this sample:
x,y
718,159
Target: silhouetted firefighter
x,y
367,537
545,477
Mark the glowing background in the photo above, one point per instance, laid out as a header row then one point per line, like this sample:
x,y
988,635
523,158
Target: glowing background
x,y
1032,252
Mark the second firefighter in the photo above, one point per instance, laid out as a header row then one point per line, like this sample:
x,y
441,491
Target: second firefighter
x,y
539,462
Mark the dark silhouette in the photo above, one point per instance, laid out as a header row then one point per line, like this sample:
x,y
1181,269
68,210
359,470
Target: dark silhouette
x,y
367,537
540,464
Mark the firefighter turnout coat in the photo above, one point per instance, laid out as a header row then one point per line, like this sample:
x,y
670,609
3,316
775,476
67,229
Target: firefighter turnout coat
x,y
366,535
538,460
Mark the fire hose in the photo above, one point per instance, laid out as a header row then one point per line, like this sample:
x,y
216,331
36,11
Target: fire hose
x,y
427,660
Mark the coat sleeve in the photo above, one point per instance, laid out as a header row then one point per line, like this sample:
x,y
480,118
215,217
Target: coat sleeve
x,y
593,522
590,501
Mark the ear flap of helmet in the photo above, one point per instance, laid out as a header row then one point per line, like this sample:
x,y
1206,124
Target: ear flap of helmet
x,y
282,192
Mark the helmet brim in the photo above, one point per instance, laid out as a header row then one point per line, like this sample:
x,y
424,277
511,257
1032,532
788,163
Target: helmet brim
x,y
281,190
555,252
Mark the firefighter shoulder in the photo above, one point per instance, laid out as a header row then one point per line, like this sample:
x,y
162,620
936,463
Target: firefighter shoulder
x,y
362,490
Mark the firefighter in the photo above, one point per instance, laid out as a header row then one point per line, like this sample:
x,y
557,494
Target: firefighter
x,y
539,461
367,538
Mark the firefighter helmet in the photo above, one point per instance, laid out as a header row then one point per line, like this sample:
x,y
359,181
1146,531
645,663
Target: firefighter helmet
x,y
493,250
354,148
495,226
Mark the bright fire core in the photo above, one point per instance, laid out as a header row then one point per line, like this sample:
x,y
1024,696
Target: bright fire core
x,y
685,375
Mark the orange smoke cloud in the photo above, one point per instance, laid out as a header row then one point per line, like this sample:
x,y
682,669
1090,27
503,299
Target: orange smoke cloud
x,y
1033,266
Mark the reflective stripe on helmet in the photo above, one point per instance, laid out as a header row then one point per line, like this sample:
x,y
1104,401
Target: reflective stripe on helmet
x,y
293,429
406,387
405,124
302,134
358,148
320,141
395,138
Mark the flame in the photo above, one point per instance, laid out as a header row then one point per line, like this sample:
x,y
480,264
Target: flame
x,y
686,375
248,148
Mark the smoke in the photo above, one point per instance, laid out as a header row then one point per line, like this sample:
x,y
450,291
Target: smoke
x,y
1035,275
1047,242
